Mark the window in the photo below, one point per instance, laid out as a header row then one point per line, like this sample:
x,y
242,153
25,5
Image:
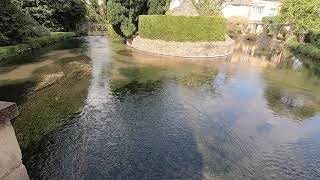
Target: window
x,y
272,12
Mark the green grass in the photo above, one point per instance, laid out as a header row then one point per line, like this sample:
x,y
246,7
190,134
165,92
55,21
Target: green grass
x,y
35,43
307,49
183,28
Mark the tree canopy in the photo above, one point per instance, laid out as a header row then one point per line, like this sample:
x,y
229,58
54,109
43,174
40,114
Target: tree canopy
x,y
57,15
16,26
303,15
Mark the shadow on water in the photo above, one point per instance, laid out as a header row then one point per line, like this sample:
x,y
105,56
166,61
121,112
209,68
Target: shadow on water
x,y
16,92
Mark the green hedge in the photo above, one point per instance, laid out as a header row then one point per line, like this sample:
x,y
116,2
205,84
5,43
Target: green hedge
x,y
9,51
307,49
183,28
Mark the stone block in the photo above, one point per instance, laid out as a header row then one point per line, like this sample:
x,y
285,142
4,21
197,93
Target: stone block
x,y
8,111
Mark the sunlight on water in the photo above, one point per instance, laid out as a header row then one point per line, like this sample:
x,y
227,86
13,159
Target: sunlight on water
x,y
122,114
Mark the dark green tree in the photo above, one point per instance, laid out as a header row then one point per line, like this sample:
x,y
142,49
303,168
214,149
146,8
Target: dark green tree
x,y
57,15
15,26
124,14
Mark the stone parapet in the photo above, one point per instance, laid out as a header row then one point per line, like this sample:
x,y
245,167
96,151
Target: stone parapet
x,y
184,49
11,167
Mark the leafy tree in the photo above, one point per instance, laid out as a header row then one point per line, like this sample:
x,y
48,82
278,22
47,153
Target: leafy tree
x,y
157,7
15,26
95,5
123,14
208,7
56,15
303,15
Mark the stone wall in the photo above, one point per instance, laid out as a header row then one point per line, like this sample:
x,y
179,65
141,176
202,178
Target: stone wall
x,y
11,167
184,49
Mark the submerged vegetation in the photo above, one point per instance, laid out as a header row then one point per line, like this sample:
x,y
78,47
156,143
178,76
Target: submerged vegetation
x,y
55,103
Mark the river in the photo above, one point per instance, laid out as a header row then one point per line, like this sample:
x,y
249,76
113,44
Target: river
x,y
92,108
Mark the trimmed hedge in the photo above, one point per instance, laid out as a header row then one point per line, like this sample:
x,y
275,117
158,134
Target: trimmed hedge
x,y
183,28
307,49
9,51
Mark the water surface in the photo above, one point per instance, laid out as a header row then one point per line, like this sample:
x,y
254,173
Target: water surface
x,y
254,115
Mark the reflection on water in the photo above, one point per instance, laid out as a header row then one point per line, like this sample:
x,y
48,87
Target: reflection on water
x,y
254,115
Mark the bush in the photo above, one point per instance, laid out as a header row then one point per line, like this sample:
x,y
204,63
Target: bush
x,y
183,28
9,51
307,49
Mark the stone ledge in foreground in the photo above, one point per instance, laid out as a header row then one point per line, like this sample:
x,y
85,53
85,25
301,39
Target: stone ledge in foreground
x,y
8,111
11,167
184,49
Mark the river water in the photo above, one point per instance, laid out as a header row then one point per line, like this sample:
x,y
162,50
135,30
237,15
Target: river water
x,y
91,108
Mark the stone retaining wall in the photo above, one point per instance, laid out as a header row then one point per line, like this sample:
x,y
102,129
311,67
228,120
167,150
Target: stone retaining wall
x,y
184,49
11,167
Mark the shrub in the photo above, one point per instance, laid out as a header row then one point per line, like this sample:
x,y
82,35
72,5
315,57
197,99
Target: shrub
x,y
183,28
304,48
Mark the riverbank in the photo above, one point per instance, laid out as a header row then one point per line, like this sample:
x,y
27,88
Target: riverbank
x,y
13,50
307,49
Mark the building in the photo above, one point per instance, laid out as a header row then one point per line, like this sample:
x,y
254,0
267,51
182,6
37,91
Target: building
x,y
253,10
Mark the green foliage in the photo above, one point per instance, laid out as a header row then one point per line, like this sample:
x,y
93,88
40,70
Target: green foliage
x,y
123,14
57,15
111,32
183,28
94,16
271,19
95,5
302,14
304,48
157,7
208,7
15,26
9,51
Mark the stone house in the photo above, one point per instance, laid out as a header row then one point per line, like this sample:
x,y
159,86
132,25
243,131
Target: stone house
x,y
253,10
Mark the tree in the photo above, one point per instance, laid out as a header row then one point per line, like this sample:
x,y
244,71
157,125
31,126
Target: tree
x,y
208,7
302,15
157,7
124,14
56,15
15,26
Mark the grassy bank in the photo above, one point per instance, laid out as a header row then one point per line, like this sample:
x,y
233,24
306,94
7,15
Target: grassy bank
x,y
10,51
307,49
183,28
